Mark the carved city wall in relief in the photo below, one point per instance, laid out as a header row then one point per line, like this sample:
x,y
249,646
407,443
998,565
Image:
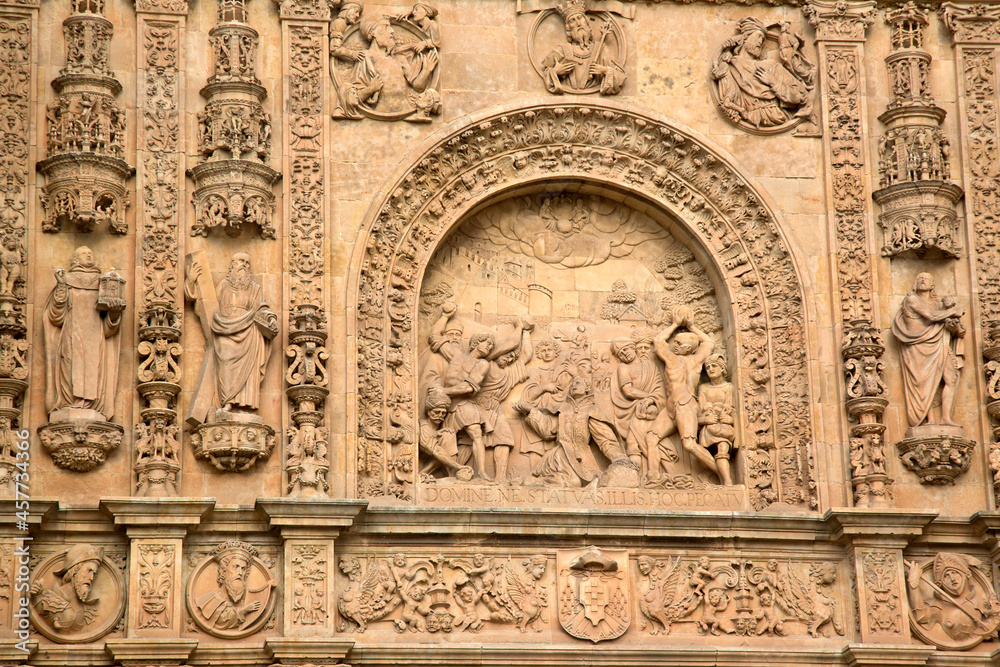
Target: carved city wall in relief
x,y
602,144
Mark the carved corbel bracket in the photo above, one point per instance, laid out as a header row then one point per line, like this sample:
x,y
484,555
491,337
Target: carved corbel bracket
x,y
80,444
936,458
231,445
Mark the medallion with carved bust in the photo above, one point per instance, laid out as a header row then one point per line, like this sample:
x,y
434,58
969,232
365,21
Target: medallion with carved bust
x,y
231,593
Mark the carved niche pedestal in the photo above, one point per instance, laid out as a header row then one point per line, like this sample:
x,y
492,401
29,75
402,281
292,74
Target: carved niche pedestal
x,y
79,439
233,441
936,453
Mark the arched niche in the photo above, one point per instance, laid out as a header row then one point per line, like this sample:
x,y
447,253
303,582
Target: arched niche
x,y
625,156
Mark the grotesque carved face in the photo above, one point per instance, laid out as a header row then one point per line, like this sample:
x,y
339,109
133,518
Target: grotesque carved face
x,y
83,580
715,596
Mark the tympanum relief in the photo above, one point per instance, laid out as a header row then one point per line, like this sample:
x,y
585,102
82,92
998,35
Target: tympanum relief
x,y
386,66
239,328
763,81
932,353
578,51
540,370
77,594
81,321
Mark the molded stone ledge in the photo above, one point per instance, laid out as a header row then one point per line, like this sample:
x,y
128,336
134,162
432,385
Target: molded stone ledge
x,y
41,509
888,528
294,651
163,514
314,517
141,652
230,655
890,655
10,655
63,655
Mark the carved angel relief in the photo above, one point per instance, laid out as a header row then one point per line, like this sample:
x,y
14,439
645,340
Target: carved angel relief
x,y
386,67
540,370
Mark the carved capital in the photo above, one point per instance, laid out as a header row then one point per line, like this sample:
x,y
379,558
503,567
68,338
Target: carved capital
x,y
977,23
840,20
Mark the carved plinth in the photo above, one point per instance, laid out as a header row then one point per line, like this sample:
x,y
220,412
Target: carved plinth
x,y
937,454
920,217
80,444
233,445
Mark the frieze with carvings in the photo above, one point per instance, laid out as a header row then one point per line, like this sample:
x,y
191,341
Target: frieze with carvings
x,y
606,143
386,67
85,170
763,82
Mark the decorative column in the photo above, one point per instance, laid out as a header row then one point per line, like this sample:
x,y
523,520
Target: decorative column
x,y
160,26
17,95
85,171
233,183
305,28
840,38
976,33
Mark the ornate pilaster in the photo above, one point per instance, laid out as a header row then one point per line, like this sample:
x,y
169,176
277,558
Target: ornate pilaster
x,y
917,201
840,36
86,171
160,29
305,36
17,53
975,30
233,182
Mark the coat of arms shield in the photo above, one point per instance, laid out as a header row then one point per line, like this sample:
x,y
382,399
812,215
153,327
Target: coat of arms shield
x,y
593,593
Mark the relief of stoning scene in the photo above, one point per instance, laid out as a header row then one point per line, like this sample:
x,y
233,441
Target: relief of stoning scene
x,y
573,352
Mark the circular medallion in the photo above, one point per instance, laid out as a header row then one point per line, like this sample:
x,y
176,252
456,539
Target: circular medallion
x,y
231,593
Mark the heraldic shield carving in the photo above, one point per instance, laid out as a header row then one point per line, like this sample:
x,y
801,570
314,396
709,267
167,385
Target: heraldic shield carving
x,y
593,593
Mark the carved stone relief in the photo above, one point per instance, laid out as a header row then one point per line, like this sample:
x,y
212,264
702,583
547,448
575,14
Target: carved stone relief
x,y
763,81
81,322
156,568
239,328
77,594
544,143
932,354
883,599
231,593
386,67
85,171
309,604
918,202
578,51
952,601
233,182
594,597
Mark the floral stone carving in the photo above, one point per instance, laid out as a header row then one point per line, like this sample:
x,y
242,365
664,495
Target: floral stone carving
x,y
81,321
386,67
762,80
239,327
952,601
77,595
588,57
231,593
85,171
932,353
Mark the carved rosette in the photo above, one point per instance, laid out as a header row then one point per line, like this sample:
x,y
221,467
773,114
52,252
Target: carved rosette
x,y
85,171
866,402
233,446
233,184
604,143
80,444
917,200
975,29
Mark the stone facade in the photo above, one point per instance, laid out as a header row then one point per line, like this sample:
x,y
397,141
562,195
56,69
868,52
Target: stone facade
x,y
536,332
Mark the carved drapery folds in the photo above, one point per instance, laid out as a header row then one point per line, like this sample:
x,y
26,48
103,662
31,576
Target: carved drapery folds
x,y
157,434
607,144
307,461
86,171
15,86
976,33
233,182
840,33
916,197
763,82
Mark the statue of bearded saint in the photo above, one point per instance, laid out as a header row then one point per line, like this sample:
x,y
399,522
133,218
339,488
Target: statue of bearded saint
x,y
241,329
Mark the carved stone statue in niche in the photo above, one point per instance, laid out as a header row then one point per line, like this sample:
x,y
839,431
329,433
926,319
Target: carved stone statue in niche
x,y
238,328
592,57
952,603
238,600
77,594
932,352
379,73
604,402
758,92
81,321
